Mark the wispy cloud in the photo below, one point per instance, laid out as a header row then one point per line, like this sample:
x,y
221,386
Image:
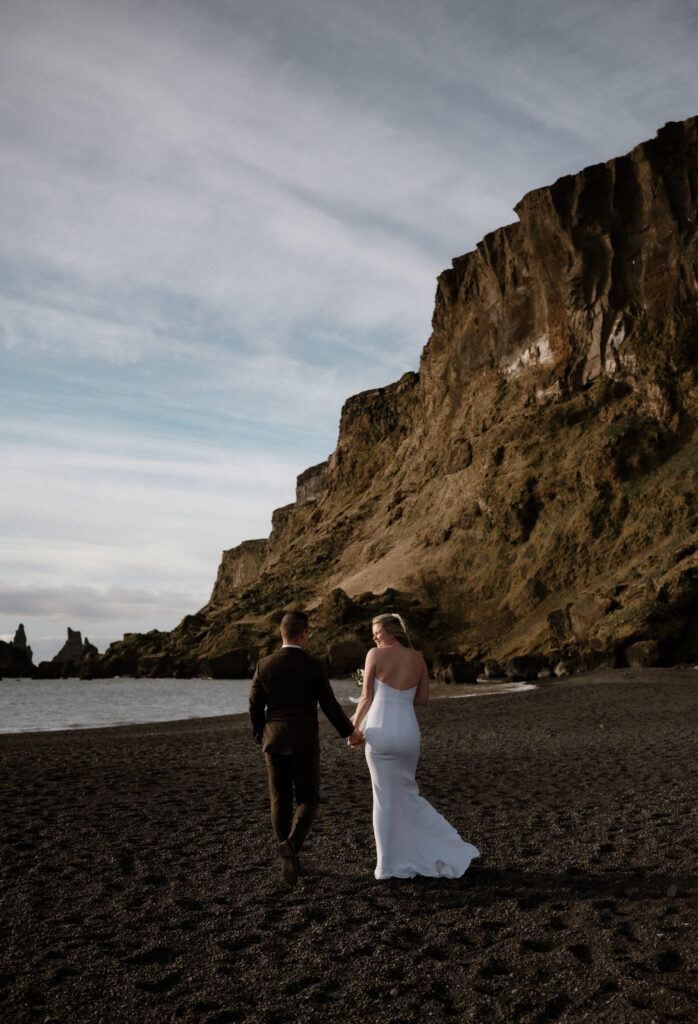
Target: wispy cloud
x,y
79,603
134,499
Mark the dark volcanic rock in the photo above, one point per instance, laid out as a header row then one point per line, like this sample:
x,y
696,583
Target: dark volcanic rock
x,y
525,667
16,657
336,609
14,661
231,665
492,669
75,658
642,654
455,669
344,657
20,641
72,649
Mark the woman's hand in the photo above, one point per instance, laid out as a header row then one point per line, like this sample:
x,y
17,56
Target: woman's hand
x,y
356,739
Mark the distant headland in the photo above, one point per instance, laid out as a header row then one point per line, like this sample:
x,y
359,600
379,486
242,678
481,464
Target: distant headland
x,y
75,657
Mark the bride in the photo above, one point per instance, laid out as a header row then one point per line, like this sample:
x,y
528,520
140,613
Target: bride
x,y
412,838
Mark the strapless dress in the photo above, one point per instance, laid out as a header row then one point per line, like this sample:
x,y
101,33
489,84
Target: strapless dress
x,y
412,838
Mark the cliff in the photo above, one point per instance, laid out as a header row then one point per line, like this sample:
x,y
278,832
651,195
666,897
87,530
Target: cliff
x,y
532,489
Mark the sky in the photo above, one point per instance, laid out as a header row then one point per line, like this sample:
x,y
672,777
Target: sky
x,y
220,219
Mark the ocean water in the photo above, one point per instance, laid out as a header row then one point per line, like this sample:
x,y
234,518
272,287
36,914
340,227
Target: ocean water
x,y
38,705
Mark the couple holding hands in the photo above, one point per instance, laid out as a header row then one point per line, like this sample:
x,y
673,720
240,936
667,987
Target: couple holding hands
x,y
412,838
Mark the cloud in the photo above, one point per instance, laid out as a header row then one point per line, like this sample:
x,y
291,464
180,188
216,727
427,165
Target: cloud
x,y
132,505
98,605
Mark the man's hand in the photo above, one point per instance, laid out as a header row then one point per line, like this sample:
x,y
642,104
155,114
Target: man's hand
x,y
356,739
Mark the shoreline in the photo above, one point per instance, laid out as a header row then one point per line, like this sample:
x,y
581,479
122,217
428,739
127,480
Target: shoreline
x,y
140,882
607,676
439,692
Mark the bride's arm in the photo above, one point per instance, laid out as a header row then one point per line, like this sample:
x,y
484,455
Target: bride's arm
x,y
367,692
422,694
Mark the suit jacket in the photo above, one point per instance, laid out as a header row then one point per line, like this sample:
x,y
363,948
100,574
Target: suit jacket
x,y
286,689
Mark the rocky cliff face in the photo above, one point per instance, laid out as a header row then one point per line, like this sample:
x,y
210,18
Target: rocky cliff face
x,y
533,489
592,259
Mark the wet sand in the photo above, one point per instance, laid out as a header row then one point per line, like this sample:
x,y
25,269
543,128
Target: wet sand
x,y
139,880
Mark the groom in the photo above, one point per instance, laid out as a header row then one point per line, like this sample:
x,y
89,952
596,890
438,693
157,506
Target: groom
x,y
290,684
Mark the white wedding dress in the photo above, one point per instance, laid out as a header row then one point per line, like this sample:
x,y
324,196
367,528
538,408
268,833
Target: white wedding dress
x,y
412,838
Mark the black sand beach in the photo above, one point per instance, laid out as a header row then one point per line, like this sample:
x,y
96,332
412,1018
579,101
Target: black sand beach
x,y
139,881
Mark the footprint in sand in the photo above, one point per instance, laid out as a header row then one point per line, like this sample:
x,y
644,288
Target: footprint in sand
x,y
536,946
669,960
154,955
582,952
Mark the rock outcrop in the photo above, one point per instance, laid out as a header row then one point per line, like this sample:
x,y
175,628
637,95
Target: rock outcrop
x,y
71,650
16,656
532,492
311,484
20,641
75,658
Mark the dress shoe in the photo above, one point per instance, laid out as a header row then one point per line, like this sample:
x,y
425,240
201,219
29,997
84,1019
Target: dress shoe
x,y
289,861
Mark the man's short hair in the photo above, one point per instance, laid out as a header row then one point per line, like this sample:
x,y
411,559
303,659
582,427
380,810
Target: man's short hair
x,y
293,624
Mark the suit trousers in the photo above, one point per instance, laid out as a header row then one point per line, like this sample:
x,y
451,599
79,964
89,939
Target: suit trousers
x,y
289,773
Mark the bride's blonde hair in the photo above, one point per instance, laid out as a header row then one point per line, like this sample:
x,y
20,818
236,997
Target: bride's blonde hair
x,y
394,625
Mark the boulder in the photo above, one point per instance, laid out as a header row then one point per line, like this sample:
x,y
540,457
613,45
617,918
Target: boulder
x,y
525,667
440,664
464,672
455,669
344,657
117,664
492,669
337,609
155,666
186,669
48,670
586,611
642,654
234,664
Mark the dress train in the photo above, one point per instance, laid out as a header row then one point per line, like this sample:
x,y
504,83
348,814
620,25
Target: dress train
x,y
412,838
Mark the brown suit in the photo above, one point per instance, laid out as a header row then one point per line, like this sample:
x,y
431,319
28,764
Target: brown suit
x,y
286,690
